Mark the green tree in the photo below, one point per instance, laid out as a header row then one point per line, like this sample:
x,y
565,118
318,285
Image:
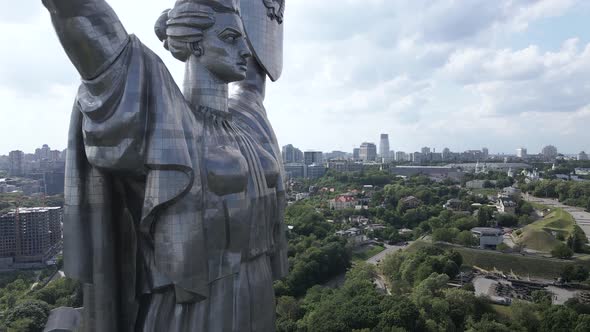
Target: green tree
x,y
29,315
445,234
562,251
484,215
574,273
464,304
541,297
583,324
525,208
488,326
466,238
558,319
398,312
506,220
525,316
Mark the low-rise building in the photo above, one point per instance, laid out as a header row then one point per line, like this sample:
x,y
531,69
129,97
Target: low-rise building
x,y
454,205
512,192
345,165
343,202
506,205
301,196
410,202
489,238
354,235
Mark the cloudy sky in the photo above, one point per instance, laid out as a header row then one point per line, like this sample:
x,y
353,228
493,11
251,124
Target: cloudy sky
x,y
462,74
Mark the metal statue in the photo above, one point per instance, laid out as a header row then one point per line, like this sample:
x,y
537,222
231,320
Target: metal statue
x,y
174,203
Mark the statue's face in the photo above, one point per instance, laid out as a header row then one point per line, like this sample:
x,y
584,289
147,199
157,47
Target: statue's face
x,y
225,49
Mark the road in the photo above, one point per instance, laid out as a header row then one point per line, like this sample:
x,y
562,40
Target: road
x,y
380,280
582,217
388,250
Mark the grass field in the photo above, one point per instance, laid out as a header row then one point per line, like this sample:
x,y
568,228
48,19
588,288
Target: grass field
x,y
503,311
540,234
485,191
366,254
533,266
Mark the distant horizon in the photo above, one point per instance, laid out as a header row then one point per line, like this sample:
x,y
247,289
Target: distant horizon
x,y
491,153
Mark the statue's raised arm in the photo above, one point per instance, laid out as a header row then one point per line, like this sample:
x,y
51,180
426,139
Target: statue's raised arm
x,y
89,31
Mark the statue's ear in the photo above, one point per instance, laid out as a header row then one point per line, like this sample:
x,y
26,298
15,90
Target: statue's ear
x,y
197,48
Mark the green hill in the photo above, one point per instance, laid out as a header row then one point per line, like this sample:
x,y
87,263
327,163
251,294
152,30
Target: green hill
x,y
542,234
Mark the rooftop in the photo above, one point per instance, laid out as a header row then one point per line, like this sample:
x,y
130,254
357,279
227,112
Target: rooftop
x,y
486,231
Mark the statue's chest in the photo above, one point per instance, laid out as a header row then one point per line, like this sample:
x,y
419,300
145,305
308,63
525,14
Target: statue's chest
x,y
235,163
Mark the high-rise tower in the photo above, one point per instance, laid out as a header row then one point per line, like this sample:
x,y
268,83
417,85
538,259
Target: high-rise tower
x,y
384,146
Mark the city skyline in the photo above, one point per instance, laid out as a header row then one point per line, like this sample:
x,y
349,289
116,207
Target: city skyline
x,y
514,152
531,88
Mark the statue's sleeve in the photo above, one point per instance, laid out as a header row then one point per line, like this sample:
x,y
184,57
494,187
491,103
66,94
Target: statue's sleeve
x,y
114,106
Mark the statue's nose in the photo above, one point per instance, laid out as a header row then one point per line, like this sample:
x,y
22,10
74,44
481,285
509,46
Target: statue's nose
x,y
244,49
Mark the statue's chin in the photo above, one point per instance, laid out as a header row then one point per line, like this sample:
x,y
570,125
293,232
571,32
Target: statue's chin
x,y
235,77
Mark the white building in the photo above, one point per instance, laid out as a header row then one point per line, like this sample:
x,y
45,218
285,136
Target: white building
x,y
488,237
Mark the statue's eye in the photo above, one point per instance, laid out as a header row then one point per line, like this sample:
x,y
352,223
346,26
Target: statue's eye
x,y
230,35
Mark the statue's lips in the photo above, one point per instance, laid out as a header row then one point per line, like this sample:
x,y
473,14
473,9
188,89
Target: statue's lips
x,y
243,65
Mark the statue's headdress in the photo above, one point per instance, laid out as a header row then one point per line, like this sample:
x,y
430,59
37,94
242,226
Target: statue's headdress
x,y
184,24
220,6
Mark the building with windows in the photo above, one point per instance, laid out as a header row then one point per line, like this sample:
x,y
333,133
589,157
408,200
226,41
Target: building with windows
x,y
16,160
384,152
446,154
335,155
488,238
345,166
343,202
313,157
291,154
401,156
295,170
31,235
356,154
549,152
368,152
486,153
582,156
315,171
521,153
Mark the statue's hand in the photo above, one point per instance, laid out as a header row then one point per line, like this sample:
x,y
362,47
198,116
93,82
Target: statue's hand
x,y
89,31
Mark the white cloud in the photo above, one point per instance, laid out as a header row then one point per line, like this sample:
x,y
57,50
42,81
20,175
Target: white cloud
x,y
425,71
526,80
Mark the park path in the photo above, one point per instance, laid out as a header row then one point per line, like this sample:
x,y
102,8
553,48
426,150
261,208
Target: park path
x,y
580,215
